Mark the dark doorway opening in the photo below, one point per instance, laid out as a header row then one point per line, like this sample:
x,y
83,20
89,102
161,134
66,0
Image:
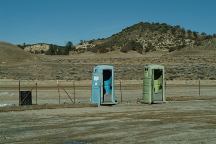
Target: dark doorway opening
x,y
107,85
158,73
158,85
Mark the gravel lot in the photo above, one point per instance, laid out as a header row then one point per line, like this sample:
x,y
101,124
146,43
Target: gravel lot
x,y
171,123
186,119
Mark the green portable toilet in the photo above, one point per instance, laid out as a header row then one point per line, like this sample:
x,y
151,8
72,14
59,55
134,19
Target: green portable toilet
x,y
154,84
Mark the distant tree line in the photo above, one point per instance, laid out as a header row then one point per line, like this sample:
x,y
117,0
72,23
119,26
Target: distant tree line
x,y
54,49
60,50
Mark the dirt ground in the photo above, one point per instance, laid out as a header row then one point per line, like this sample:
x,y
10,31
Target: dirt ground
x,y
186,118
170,123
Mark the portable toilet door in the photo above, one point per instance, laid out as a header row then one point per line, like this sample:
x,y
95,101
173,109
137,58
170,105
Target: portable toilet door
x,y
96,88
103,92
147,85
154,84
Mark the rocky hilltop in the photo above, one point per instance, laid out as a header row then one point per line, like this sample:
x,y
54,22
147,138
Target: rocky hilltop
x,y
146,37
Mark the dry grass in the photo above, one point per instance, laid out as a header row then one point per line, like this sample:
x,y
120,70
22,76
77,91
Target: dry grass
x,y
188,64
11,54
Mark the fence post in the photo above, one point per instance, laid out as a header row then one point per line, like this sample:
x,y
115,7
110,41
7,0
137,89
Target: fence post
x,y
58,91
74,94
199,88
165,86
36,91
19,94
121,90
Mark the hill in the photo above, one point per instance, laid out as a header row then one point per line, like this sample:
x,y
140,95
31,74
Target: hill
x,y
146,37
11,54
186,55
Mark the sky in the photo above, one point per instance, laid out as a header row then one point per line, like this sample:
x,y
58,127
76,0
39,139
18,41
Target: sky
x,y
60,21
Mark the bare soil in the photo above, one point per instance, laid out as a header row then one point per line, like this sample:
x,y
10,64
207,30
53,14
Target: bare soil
x,y
170,123
186,118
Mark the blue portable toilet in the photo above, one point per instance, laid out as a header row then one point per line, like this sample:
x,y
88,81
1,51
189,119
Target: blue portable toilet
x,y
103,90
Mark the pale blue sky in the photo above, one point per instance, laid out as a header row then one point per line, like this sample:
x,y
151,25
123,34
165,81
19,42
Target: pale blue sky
x,y
59,21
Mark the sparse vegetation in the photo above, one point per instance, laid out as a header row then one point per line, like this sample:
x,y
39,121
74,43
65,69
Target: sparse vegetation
x,y
186,63
132,45
143,37
56,50
149,37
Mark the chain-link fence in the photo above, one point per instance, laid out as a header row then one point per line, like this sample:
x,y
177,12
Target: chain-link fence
x,y
70,92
